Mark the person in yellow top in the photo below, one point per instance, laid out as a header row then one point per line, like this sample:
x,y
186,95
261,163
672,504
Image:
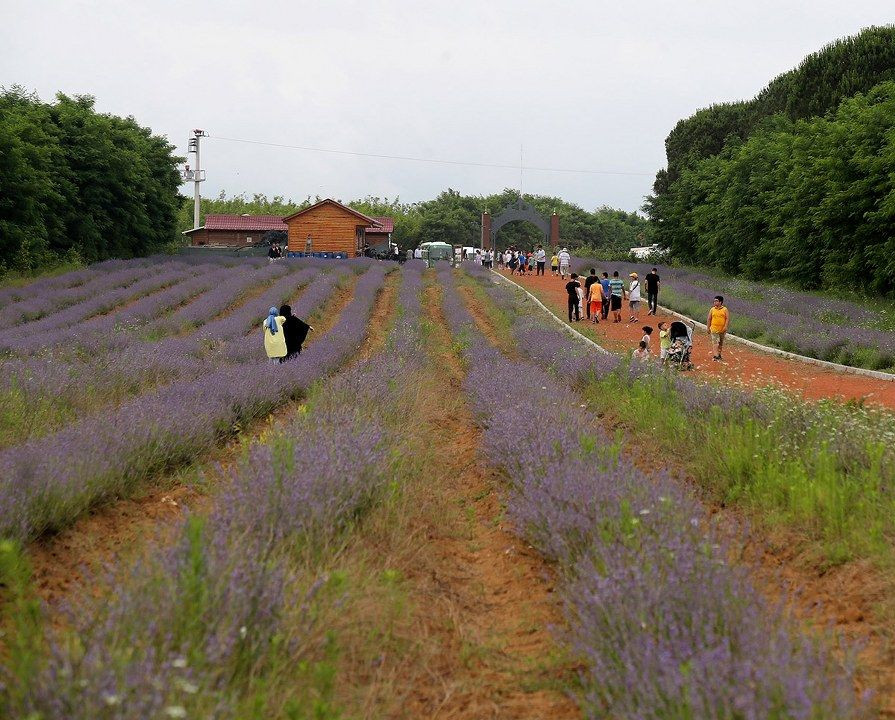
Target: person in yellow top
x,y
554,263
274,337
718,322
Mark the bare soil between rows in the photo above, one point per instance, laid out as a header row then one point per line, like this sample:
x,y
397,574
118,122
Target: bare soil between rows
x,y
114,533
853,599
485,599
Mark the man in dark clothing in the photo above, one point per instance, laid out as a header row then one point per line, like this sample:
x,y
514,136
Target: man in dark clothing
x,y
652,291
572,288
588,281
294,333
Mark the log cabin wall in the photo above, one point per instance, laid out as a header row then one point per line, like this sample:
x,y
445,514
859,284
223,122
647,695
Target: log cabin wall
x,y
331,227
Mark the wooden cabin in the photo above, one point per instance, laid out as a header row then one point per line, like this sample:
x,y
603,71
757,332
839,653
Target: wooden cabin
x,y
328,227
379,237
234,230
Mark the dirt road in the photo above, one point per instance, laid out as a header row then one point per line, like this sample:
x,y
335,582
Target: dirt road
x,y
742,365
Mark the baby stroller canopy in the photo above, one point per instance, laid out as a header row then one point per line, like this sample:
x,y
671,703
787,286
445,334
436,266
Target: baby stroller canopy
x,y
679,330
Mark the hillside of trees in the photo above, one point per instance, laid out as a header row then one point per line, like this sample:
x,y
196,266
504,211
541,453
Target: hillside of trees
x,y
796,184
78,185
456,219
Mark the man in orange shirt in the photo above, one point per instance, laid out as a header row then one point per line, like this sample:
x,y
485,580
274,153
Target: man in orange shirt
x,y
718,322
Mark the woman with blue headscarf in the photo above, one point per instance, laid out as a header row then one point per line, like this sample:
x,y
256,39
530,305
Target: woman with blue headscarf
x,y
274,337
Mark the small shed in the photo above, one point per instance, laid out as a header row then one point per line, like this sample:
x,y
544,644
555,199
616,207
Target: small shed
x,y
379,237
328,227
234,230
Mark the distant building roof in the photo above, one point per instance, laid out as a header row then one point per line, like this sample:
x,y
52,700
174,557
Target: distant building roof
x,y
386,225
242,222
329,201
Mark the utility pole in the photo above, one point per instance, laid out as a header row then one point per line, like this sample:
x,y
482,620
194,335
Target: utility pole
x,y
196,175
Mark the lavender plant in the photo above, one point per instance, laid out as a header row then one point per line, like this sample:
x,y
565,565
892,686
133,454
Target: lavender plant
x,y
46,483
667,628
229,615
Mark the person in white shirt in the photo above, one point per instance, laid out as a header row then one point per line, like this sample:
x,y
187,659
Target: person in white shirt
x,y
541,259
564,261
418,254
634,297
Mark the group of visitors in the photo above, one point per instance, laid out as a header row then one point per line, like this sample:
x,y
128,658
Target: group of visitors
x,y
524,262
485,258
275,252
284,334
717,323
601,295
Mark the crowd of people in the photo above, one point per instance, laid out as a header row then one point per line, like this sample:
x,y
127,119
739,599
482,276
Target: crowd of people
x,y
597,297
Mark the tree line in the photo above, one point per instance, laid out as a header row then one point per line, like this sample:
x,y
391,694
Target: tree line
x,y
796,184
78,185
455,218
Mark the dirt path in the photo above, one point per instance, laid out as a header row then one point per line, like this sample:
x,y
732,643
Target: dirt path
x,y
112,533
484,599
742,365
853,599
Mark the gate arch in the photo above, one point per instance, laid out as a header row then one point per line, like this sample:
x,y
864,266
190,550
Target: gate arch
x,y
519,210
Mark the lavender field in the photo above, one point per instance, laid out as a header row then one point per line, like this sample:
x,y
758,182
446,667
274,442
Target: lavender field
x,y
857,333
302,585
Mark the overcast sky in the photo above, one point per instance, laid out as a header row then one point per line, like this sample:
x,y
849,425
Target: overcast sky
x,y
592,86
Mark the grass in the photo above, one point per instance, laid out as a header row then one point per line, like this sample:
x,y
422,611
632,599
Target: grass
x,y
822,471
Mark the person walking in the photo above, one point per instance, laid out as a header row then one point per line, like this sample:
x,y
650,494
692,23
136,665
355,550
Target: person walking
x,y
565,260
652,291
595,302
274,338
718,321
604,286
294,331
634,297
616,296
588,282
541,259
572,288
554,264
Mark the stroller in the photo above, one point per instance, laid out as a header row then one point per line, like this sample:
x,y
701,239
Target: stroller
x,y
681,336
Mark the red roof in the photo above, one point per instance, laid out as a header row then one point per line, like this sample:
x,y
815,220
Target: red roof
x,y
386,225
244,222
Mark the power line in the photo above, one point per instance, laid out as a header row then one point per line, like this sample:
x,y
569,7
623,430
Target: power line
x,y
437,161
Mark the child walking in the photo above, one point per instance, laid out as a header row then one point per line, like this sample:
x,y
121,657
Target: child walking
x,y
664,342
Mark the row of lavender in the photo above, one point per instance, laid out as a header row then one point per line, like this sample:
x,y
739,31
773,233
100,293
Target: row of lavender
x,y
666,627
823,468
46,483
801,322
221,624
95,369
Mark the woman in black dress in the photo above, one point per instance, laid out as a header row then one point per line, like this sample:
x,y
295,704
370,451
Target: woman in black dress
x,y
295,332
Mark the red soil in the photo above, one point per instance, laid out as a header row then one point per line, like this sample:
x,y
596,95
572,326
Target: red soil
x,y
742,365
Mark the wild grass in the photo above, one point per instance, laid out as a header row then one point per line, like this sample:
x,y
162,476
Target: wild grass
x,y
823,471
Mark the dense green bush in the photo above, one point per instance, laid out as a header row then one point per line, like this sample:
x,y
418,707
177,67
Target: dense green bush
x,y
795,184
78,184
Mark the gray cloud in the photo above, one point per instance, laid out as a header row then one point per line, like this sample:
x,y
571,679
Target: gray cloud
x,y
593,86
